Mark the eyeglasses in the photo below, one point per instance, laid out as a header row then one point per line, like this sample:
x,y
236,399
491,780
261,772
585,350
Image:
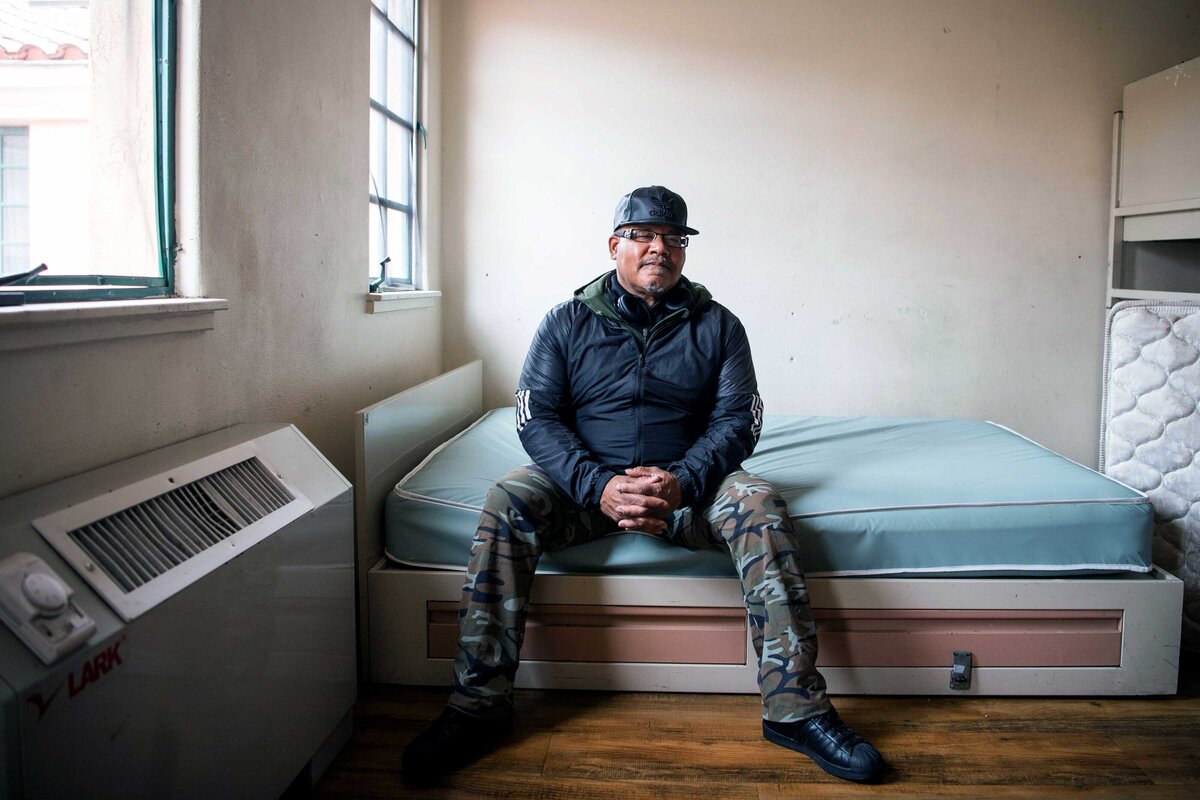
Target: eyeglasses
x,y
643,236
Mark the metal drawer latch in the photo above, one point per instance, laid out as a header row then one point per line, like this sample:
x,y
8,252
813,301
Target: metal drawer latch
x,y
960,674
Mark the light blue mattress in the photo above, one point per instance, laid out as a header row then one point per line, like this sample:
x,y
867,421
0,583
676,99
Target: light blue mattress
x,y
868,495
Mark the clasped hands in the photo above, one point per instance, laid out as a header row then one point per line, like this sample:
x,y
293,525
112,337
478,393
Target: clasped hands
x,y
641,499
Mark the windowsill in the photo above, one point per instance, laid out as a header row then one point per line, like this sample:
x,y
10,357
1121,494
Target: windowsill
x,y
49,324
402,300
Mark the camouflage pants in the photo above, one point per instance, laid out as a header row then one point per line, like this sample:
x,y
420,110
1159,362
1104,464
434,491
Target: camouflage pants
x,y
526,514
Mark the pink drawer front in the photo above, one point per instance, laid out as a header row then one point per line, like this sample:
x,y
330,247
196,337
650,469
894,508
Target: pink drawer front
x,y
631,634
996,638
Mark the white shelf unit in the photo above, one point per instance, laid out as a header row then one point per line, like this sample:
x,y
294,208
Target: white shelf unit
x,y
1154,227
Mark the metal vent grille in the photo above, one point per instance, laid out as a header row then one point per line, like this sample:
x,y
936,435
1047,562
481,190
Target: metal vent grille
x,y
139,543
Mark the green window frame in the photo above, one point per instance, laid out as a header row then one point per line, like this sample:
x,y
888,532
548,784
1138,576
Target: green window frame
x,y
393,221
63,288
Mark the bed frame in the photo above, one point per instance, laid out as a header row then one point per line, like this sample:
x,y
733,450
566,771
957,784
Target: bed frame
x,y
1108,635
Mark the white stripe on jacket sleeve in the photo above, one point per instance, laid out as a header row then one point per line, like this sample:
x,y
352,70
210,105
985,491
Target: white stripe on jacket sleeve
x,y
523,414
756,408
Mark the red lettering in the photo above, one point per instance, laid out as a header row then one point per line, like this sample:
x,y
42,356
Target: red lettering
x,y
93,670
43,704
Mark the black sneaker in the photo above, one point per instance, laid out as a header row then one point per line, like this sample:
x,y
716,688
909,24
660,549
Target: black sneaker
x,y
829,742
451,741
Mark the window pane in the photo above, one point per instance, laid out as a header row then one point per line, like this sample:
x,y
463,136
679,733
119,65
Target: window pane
x,y
15,150
16,259
379,60
15,185
77,150
14,224
401,13
398,242
391,143
113,153
400,77
375,237
377,182
399,162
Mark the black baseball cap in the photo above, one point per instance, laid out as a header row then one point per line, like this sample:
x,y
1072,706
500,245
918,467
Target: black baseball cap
x,y
656,205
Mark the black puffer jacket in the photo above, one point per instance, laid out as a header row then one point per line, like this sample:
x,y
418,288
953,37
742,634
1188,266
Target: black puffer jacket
x,y
599,394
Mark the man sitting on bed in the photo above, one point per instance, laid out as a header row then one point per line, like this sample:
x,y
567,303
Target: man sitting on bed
x,y
638,404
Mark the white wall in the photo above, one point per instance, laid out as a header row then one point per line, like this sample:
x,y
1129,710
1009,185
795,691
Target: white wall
x,y
905,202
282,234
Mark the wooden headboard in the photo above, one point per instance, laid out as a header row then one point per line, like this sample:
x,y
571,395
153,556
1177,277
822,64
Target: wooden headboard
x,y
391,438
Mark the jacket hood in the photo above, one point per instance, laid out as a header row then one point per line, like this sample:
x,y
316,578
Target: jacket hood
x,y
594,295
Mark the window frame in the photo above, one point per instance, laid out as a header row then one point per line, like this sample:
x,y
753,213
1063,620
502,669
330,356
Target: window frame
x,y
379,203
54,288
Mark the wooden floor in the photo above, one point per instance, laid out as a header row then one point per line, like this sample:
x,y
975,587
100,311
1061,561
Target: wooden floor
x,y
579,745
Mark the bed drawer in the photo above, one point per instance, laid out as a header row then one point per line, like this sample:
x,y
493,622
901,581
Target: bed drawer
x,y
626,634
996,638
848,637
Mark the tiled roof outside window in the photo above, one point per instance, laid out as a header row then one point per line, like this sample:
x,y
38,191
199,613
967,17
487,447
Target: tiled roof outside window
x,y
43,32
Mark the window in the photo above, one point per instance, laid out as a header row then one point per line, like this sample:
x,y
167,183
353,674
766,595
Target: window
x,y
392,189
86,109
14,200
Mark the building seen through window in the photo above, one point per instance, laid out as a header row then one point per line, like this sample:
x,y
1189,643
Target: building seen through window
x,y
14,200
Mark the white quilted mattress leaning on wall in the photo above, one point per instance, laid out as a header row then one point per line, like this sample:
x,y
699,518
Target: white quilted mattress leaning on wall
x,y
1150,429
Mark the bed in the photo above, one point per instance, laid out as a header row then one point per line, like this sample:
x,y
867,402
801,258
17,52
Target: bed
x,y
938,552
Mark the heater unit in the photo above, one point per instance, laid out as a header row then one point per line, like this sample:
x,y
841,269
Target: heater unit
x,y
180,624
